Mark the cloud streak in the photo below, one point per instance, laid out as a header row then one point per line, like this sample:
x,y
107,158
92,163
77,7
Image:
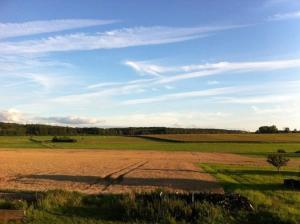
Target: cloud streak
x,y
21,70
8,30
121,88
127,37
209,69
175,96
285,16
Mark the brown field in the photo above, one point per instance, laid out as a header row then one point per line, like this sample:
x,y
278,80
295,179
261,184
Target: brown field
x,y
113,171
274,138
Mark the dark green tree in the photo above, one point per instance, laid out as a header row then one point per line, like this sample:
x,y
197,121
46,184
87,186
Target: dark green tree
x,y
267,129
278,160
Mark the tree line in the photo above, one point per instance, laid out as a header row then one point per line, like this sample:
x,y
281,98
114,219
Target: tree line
x,y
12,129
273,129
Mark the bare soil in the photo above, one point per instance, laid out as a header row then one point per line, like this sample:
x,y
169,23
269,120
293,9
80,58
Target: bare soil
x,y
112,171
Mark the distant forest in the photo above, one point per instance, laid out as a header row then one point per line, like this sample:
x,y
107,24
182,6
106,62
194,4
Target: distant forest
x,y
12,129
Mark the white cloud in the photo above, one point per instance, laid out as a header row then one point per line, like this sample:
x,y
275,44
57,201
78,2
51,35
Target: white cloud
x,y
70,120
191,119
168,119
11,116
47,26
285,16
16,116
127,37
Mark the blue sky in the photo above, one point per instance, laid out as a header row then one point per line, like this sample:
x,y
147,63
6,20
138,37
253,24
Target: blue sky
x,y
217,64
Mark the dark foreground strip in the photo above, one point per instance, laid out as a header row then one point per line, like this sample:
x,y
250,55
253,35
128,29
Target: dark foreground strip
x,y
228,201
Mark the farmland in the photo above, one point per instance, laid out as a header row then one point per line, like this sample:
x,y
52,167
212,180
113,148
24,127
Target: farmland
x,y
114,171
141,143
109,165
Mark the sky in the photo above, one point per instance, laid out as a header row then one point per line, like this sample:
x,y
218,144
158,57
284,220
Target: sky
x,y
199,63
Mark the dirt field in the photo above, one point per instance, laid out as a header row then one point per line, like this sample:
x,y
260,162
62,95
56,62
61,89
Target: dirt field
x,y
94,171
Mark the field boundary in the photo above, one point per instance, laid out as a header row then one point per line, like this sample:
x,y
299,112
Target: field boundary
x,y
158,139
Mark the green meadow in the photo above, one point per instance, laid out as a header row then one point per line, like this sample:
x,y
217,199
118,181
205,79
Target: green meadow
x,y
140,143
273,202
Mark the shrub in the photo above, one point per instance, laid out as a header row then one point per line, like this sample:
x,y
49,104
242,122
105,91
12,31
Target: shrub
x,y
63,139
278,160
281,151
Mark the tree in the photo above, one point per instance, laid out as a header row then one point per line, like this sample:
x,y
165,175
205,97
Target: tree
x,y
267,129
278,160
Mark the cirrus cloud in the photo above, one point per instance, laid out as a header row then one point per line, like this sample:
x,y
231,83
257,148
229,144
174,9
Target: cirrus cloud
x,y
47,26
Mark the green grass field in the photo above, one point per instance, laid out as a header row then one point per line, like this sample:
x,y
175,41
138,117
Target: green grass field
x,y
137,143
264,187
254,138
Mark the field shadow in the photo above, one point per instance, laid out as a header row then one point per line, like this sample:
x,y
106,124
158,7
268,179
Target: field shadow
x,y
80,179
259,187
177,183
172,170
155,139
262,172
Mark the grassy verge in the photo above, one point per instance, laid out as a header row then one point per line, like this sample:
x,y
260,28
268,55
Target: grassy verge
x,y
263,186
71,207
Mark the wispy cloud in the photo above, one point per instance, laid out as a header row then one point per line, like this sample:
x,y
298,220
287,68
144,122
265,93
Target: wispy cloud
x,y
146,68
22,70
209,69
261,99
104,84
134,86
285,16
47,26
285,108
272,3
182,95
213,82
127,37
264,94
